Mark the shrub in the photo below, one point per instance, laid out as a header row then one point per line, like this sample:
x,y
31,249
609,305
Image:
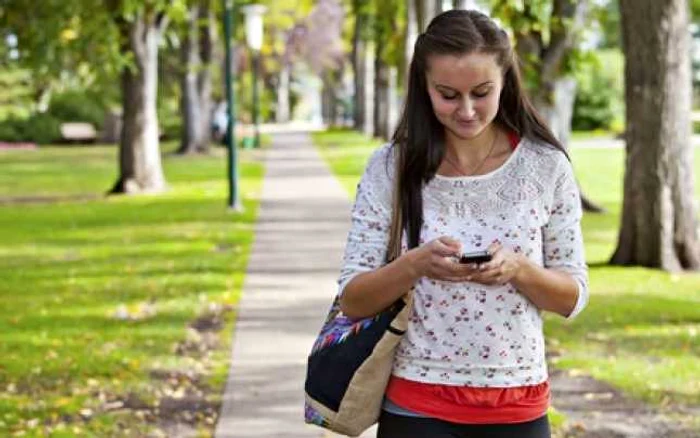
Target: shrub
x,y
39,128
77,106
43,129
600,93
12,130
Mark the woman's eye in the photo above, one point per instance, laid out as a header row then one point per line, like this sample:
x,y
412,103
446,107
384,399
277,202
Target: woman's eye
x,y
449,96
480,94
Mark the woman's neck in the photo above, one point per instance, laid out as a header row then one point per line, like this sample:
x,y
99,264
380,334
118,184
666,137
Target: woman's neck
x,y
468,151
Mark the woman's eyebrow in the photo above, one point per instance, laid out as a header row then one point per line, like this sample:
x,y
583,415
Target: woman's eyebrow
x,y
448,88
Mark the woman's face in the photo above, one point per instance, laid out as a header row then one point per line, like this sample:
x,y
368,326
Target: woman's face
x,y
465,91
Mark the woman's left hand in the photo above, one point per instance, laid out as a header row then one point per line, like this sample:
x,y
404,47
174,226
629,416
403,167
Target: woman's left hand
x,y
502,269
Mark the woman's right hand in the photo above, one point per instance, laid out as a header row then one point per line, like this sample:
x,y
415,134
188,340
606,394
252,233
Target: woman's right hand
x,y
436,260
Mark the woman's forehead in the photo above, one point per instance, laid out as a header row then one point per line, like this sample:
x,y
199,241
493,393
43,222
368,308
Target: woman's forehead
x,y
463,72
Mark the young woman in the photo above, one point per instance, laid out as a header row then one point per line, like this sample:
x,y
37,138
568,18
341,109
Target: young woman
x,y
478,170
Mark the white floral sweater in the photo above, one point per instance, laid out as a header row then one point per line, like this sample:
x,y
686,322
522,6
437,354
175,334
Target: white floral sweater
x,y
467,333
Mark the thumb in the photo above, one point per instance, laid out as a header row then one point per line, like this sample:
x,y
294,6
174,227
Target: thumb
x,y
449,246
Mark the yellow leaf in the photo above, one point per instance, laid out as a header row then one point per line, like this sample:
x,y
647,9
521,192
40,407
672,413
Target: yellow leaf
x,y
68,35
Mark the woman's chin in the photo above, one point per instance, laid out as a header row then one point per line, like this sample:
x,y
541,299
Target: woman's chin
x,y
466,131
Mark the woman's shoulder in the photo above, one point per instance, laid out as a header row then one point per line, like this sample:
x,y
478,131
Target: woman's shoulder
x,y
381,162
546,158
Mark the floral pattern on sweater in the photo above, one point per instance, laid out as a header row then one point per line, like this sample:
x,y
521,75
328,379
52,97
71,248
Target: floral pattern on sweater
x,y
468,333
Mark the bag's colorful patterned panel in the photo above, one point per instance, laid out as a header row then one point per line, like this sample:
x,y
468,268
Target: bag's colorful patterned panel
x,y
338,330
311,416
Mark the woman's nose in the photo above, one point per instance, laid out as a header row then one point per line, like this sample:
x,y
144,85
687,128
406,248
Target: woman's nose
x,y
467,108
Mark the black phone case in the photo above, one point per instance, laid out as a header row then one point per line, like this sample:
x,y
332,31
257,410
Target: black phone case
x,y
475,258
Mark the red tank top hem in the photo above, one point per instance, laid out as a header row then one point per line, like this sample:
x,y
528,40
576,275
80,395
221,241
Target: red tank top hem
x,y
468,404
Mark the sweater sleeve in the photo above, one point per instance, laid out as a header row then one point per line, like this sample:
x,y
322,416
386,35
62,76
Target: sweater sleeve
x,y
368,238
562,237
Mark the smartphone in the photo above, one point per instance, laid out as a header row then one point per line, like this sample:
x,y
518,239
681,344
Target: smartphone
x,y
475,257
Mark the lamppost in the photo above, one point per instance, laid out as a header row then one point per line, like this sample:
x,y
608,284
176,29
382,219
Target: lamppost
x,y
234,201
254,37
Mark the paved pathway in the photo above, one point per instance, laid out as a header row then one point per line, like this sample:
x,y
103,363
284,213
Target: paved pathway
x,y
302,226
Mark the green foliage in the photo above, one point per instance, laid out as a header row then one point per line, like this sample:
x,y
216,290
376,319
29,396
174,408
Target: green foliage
x,y
695,10
39,128
600,93
66,268
43,129
15,92
608,16
12,130
78,106
640,329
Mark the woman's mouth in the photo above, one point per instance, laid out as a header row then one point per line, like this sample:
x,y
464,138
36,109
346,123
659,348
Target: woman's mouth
x,y
468,122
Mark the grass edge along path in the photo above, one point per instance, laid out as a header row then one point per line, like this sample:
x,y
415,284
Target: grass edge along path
x,y
117,312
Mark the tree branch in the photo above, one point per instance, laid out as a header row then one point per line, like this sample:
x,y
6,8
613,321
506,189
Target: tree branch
x,y
561,34
161,22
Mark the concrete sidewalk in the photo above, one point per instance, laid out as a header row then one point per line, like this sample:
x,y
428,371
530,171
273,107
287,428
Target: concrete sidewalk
x,y
291,279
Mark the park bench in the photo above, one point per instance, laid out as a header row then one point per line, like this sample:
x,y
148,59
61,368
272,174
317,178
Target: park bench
x,y
78,132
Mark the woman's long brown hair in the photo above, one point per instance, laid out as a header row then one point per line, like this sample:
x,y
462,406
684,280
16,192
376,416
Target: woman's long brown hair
x,y
420,137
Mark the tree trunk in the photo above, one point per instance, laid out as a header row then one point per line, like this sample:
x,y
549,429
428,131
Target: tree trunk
x,y
430,9
329,99
283,110
393,108
359,59
370,90
381,93
659,222
207,43
190,103
412,30
439,7
139,152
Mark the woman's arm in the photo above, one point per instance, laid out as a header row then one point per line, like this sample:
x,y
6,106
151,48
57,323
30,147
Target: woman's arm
x,y
371,292
548,289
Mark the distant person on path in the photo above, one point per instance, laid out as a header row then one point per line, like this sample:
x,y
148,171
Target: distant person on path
x,y
479,170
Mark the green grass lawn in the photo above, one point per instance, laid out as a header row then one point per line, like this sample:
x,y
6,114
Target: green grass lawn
x,y
71,270
641,330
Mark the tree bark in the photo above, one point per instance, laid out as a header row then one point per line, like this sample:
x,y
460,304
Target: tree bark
x,y
659,221
412,30
282,114
207,43
381,93
329,99
359,55
140,168
370,91
190,102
